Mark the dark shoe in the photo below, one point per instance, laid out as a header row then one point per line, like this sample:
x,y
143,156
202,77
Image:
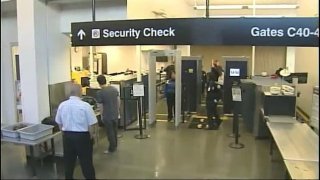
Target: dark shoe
x,y
219,122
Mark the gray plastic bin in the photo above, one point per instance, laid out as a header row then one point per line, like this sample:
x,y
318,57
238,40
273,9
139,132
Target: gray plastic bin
x,y
36,131
7,131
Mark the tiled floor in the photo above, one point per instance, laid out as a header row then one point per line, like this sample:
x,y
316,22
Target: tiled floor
x,y
169,153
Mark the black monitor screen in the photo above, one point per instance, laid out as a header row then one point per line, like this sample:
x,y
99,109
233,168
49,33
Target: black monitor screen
x,y
302,78
92,92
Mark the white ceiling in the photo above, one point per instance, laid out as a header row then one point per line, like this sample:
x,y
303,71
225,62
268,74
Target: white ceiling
x,y
71,1
241,12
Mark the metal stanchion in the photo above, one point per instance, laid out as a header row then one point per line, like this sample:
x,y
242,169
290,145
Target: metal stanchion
x,y
236,144
144,113
236,97
138,91
124,110
140,135
234,126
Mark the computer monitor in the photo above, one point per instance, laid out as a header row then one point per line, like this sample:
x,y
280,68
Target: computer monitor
x,y
92,92
234,72
301,76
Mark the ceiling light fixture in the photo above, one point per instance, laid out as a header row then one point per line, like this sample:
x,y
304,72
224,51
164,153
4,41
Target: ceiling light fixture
x,y
274,6
218,7
269,6
248,16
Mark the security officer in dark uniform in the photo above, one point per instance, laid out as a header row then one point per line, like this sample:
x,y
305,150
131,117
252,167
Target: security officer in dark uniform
x,y
203,82
214,94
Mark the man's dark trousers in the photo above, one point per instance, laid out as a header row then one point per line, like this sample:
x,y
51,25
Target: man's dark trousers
x,y
112,134
171,105
212,111
78,144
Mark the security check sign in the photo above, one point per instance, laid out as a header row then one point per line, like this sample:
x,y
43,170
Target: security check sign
x,y
199,31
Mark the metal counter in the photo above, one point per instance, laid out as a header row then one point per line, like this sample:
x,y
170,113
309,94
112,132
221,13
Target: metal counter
x,y
296,141
302,169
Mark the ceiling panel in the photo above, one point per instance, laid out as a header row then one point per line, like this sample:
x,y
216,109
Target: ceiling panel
x,y
71,1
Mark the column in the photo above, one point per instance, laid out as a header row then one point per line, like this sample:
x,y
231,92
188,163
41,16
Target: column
x,y
291,58
32,29
138,61
178,88
253,47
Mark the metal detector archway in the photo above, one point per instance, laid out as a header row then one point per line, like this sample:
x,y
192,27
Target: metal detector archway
x,y
152,55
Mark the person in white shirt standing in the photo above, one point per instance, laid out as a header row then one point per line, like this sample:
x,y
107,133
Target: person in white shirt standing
x,y
75,119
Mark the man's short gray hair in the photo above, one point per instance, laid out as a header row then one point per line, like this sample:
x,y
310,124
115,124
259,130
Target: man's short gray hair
x,y
76,90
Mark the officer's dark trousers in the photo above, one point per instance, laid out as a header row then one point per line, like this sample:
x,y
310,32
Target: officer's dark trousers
x,y
203,87
212,112
170,105
112,134
78,144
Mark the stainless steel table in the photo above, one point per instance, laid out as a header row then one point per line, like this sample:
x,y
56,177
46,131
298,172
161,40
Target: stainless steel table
x,y
302,169
296,141
31,145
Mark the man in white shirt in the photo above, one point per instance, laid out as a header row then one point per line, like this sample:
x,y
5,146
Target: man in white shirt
x,y
75,118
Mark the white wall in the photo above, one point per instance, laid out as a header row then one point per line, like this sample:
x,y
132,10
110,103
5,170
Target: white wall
x,y
9,34
81,12
307,59
76,57
58,47
185,50
142,9
119,57
33,54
